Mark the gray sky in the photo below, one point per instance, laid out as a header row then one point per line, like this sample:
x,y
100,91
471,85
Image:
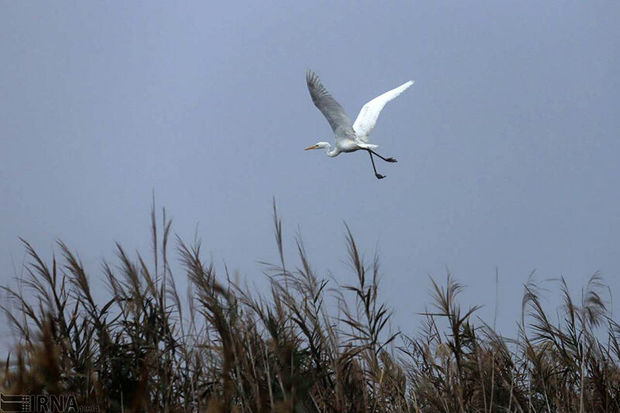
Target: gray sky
x,y
507,143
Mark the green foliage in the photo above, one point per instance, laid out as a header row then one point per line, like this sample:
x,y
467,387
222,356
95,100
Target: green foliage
x,y
227,349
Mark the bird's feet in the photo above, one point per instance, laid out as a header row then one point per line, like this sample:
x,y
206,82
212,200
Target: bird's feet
x,y
391,160
379,176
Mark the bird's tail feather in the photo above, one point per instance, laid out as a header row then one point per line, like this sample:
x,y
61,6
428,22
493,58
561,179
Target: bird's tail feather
x,y
367,145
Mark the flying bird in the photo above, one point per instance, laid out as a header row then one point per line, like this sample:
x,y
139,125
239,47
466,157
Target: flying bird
x,y
350,137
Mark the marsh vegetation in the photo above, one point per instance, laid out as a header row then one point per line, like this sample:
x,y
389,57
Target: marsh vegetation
x,y
305,345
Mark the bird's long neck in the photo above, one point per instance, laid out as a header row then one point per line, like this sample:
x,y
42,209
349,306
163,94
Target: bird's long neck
x,y
331,152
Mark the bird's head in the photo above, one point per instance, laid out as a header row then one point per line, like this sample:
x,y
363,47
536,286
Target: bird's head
x,y
319,145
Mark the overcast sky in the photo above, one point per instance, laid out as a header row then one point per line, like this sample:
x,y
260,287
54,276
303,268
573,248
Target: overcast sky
x,y
508,143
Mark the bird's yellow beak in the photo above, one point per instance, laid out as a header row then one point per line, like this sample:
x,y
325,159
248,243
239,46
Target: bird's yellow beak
x,y
310,147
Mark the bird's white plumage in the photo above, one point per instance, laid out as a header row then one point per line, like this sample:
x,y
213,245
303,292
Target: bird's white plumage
x,y
349,138
367,118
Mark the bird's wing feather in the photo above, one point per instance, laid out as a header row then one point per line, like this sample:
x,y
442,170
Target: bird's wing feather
x,y
335,114
367,118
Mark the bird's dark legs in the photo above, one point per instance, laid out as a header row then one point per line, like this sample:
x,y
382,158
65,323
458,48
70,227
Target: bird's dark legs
x,y
378,175
385,159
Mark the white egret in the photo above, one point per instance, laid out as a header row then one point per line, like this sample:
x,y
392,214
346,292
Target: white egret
x,y
347,137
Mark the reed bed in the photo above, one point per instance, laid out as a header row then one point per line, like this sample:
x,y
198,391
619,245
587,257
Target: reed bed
x,y
306,345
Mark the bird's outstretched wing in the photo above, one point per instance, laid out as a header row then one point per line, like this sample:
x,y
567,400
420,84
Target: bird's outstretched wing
x,y
367,118
335,114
